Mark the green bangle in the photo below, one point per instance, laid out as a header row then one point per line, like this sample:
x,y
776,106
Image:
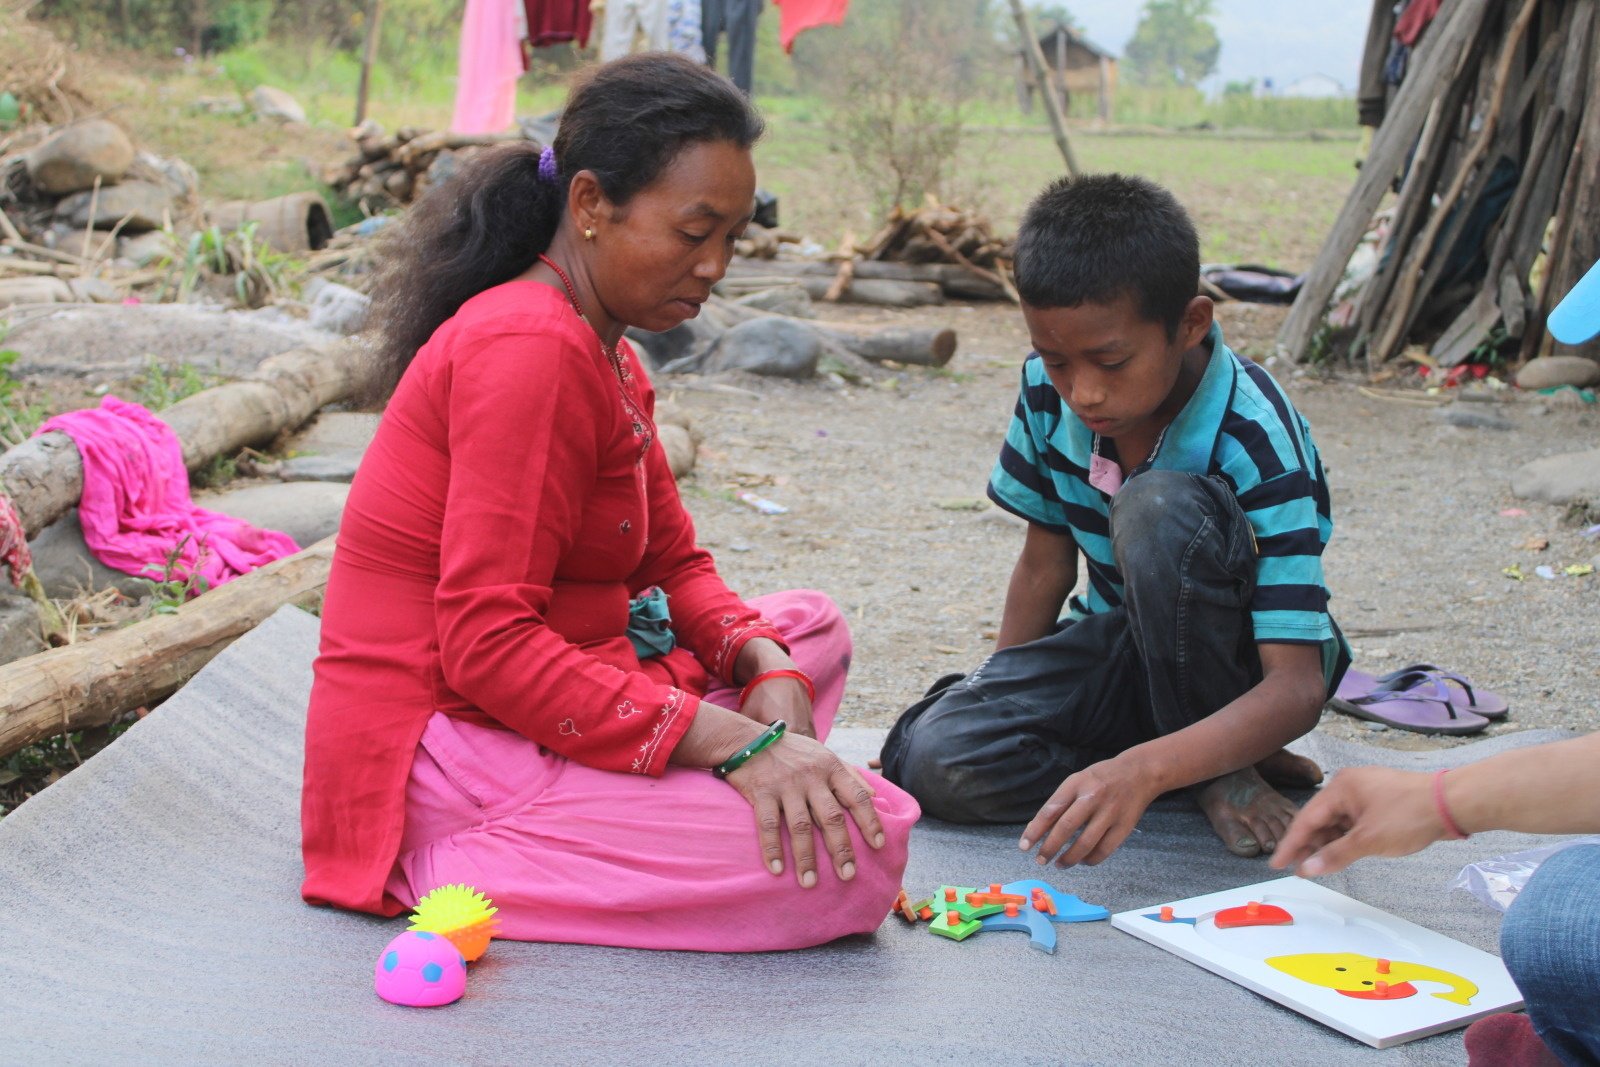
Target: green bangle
x,y
768,737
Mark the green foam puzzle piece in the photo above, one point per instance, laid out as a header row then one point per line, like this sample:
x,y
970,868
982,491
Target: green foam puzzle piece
x,y
960,932
968,912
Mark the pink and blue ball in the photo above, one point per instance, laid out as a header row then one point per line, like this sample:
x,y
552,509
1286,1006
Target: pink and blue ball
x,y
420,970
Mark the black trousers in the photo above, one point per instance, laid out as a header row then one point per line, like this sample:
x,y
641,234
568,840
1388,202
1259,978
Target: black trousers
x,y
994,745
736,18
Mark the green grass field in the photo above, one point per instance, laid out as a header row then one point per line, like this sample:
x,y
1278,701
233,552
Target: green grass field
x,y
1256,195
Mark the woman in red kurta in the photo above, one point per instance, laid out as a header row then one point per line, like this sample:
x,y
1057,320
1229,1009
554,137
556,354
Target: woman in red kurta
x,y
479,712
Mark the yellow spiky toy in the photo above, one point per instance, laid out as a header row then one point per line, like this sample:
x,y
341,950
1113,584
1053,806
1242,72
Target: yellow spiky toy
x,y
460,914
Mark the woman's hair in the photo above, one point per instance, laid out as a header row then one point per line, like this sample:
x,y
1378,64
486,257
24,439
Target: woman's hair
x,y
625,121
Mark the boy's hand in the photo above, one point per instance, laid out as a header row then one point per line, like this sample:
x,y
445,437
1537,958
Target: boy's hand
x,y
1101,804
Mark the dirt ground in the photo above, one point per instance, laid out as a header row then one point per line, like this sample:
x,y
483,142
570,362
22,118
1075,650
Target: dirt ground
x,y
881,481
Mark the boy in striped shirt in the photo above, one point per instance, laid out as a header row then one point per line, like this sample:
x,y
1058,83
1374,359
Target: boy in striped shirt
x,y
1202,644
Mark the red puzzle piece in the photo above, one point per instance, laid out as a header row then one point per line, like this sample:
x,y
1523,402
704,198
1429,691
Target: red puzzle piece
x,y
1382,991
1254,913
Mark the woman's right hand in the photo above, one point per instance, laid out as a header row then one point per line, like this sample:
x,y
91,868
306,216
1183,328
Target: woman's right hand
x,y
798,784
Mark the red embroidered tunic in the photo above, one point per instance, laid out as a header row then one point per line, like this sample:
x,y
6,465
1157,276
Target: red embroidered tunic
x,y
512,503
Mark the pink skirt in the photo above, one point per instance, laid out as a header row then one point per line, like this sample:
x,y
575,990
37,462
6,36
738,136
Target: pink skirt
x,y
570,853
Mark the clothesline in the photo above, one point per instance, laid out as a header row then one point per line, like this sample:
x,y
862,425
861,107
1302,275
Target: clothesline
x,y
497,34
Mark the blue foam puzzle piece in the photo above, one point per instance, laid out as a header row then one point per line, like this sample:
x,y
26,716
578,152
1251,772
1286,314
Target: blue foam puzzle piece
x,y
1036,924
1156,915
1069,909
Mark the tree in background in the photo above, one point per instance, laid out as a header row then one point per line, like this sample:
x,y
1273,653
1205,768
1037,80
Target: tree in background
x,y
1175,43
898,79
1044,14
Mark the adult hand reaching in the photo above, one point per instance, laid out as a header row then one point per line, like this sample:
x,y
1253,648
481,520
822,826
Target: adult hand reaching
x,y
1363,811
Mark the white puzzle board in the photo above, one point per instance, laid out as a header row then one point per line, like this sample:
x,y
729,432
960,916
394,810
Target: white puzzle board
x,y
1333,943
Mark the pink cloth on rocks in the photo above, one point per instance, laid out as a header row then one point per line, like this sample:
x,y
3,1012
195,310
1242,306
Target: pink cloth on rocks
x,y
570,853
136,507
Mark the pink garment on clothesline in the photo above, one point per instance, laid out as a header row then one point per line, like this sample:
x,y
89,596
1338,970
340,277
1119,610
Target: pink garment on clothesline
x,y
136,507
490,64
797,16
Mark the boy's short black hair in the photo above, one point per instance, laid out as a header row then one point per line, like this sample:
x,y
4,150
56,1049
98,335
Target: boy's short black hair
x,y
1096,238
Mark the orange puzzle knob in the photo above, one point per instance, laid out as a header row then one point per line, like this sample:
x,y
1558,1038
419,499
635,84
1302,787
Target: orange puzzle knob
x,y
949,896
1166,913
1383,967
1013,910
952,918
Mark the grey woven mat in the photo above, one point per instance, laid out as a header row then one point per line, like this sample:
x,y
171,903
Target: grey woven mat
x,y
148,914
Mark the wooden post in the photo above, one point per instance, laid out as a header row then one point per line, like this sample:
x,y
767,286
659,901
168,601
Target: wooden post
x,y
369,52
1035,56
1105,89
92,682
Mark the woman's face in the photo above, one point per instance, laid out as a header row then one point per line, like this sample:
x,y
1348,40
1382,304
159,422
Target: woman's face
x,y
656,259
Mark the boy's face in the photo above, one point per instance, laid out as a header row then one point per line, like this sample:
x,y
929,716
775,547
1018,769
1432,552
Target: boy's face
x,y
1116,370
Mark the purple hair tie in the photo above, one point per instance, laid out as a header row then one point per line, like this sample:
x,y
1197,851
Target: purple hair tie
x,y
547,165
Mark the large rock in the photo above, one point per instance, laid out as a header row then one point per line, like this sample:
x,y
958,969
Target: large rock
x,y
337,308
306,511
276,104
679,446
75,157
112,340
40,290
1560,479
1547,372
780,348
66,567
19,625
137,206
332,467
335,431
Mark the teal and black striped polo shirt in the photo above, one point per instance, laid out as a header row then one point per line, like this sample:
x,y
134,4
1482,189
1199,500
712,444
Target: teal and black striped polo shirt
x,y
1238,427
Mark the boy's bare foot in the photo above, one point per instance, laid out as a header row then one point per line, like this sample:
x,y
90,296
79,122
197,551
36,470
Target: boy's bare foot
x,y
1249,815
1287,771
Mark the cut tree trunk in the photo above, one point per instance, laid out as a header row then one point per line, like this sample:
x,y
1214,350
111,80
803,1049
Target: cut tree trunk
x,y
44,475
91,683
923,346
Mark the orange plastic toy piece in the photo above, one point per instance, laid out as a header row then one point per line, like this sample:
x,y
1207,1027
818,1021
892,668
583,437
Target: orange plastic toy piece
x,y
1166,913
994,896
1044,902
1383,967
1254,913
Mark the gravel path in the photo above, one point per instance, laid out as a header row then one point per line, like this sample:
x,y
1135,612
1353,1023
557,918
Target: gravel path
x,y
879,481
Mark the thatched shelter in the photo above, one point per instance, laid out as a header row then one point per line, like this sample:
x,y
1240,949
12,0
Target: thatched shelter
x,y
1076,66
1488,132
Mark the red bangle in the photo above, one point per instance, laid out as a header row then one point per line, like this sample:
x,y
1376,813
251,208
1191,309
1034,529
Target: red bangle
x,y
1451,827
779,672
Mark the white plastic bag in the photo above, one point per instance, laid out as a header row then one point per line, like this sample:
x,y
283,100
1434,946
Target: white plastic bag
x,y
1497,881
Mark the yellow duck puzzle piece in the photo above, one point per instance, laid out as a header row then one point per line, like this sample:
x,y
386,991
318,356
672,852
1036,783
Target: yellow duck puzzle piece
x,y
1369,978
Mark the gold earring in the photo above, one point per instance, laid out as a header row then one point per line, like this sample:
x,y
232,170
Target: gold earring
x,y
588,235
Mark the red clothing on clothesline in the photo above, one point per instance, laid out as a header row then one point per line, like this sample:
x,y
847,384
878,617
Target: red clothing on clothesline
x,y
509,507
557,22
1414,19
798,16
